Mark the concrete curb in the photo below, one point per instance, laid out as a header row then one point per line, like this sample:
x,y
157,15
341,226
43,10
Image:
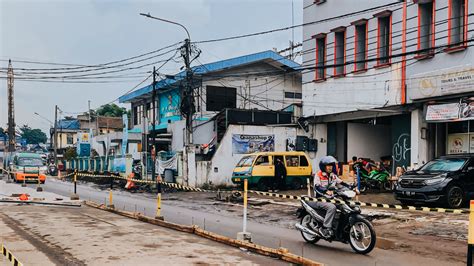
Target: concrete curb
x,y
280,253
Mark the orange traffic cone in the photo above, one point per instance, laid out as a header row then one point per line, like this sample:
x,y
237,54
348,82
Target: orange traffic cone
x,y
24,196
130,184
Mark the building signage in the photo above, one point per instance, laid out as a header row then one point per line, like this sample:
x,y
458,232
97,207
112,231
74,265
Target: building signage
x,y
169,105
450,111
459,143
242,144
83,138
441,82
124,133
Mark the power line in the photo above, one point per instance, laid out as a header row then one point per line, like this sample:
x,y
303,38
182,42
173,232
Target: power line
x,y
299,25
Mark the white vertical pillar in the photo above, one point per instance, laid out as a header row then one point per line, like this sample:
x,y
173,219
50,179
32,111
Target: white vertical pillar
x,y
419,145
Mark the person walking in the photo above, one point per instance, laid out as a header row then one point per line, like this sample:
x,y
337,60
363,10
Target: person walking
x,y
280,175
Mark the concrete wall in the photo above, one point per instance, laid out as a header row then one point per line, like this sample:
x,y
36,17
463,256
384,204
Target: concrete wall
x,y
419,146
368,141
219,171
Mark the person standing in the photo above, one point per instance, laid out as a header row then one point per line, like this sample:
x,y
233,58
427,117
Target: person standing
x,y
280,175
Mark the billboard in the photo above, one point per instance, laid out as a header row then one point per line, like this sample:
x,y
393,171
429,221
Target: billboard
x,y
243,144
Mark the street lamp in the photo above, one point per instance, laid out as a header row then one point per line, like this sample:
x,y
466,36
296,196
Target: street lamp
x,y
50,122
169,21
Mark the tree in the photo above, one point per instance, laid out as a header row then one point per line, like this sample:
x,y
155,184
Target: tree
x,y
2,131
111,110
33,136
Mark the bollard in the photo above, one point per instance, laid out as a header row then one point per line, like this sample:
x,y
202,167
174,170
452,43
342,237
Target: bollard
x,y
111,202
244,235
158,199
470,238
358,184
74,196
309,186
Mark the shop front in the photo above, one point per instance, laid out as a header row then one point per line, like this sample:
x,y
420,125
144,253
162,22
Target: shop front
x,y
451,127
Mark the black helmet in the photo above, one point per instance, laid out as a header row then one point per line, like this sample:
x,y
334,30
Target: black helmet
x,y
327,160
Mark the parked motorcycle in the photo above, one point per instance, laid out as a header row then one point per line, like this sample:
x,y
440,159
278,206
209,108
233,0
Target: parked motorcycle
x,y
377,178
349,226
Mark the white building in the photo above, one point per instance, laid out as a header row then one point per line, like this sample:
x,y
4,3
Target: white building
x,y
372,70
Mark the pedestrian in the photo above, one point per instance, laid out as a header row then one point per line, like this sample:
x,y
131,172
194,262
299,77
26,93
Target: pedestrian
x,y
280,175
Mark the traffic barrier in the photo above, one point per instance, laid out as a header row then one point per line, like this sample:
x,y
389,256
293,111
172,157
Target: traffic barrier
x,y
362,204
7,253
306,198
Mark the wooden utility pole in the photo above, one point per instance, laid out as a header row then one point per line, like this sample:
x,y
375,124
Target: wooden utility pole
x,y
11,109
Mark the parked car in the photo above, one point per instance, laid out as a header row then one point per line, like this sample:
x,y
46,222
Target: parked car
x,y
448,180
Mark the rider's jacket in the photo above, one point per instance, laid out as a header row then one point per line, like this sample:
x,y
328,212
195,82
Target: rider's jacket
x,y
324,181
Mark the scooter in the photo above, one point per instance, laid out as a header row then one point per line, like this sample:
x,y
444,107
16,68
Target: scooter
x,y
349,226
378,178
52,170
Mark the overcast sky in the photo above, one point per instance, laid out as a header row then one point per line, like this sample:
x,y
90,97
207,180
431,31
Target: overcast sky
x,y
94,32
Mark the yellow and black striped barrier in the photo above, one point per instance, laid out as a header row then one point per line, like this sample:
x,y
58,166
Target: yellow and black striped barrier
x,y
306,198
362,204
7,253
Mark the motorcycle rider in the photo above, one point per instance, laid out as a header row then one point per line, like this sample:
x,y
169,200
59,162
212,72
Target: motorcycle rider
x,y
325,182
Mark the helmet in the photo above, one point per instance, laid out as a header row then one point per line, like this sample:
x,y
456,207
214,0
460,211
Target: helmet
x,y
327,160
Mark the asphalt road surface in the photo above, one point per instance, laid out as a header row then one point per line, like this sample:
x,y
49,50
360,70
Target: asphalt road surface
x,y
264,234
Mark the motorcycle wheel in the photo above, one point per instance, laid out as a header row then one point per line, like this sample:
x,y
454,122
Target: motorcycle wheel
x,y
362,236
387,185
308,238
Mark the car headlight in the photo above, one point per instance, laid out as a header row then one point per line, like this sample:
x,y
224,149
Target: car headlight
x,y
436,179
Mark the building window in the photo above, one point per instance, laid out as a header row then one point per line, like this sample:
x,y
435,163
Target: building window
x,y
426,27
457,23
293,95
320,57
218,98
339,51
137,114
69,139
360,48
384,40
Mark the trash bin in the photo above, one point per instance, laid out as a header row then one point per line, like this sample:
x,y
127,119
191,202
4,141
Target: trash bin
x,y
169,176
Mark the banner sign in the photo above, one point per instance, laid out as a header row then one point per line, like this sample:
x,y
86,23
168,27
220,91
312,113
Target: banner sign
x,y
243,144
450,111
119,165
83,138
124,134
441,82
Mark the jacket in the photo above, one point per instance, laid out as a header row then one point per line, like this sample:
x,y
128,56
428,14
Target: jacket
x,y
324,182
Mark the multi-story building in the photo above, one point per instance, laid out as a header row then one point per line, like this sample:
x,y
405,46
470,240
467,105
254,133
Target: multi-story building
x,y
389,78
261,89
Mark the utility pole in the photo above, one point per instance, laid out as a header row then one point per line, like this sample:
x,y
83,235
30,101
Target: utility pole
x,y
90,128
187,106
11,109
55,134
153,122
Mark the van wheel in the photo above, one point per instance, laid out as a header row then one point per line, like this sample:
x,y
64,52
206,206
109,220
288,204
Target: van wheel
x,y
263,184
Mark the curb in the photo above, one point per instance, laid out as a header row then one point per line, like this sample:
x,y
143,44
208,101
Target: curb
x,y
280,253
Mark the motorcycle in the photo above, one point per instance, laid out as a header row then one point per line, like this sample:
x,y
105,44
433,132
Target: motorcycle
x,y
52,170
378,178
349,226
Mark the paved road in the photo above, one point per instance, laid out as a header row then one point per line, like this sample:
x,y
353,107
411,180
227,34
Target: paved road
x,y
328,253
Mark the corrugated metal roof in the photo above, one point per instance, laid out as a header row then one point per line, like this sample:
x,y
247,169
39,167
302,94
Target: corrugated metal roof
x,y
213,67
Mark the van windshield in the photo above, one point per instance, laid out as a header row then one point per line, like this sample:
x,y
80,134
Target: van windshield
x,y
444,165
30,162
246,161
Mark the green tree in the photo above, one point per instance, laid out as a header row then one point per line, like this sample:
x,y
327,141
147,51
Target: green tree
x,y
33,136
111,110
